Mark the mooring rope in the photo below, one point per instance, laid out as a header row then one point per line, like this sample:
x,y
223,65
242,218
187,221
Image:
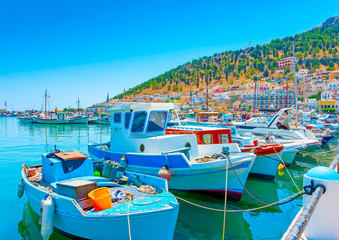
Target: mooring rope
x,y
240,210
287,169
128,221
235,173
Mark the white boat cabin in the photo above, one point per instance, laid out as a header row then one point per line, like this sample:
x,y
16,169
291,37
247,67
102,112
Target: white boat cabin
x,y
140,128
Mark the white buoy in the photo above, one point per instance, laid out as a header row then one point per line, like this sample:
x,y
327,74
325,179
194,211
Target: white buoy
x,y
21,189
48,210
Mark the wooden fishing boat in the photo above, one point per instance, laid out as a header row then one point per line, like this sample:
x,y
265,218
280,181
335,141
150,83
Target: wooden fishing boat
x,y
55,117
138,134
64,192
78,120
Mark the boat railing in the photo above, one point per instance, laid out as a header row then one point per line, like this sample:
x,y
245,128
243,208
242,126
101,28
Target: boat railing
x,y
297,227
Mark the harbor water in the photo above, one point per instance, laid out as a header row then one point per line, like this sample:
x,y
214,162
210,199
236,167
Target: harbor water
x,y
21,143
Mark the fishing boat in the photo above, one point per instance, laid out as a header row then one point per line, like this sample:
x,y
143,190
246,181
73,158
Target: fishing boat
x,y
26,119
55,117
267,155
59,117
78,120
69,199
138,134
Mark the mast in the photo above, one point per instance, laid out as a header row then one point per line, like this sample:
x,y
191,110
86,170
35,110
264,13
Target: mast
x,y
190,102
255,93
295,90
286,98
46,103
207,95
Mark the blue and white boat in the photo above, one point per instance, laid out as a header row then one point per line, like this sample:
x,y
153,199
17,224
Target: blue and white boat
x,y
279,127
57,191
138,134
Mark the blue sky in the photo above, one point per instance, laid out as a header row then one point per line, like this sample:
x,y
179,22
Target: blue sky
x,y
86,49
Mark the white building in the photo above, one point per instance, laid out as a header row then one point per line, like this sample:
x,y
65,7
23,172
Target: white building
x,y
333,85
302,73
325,96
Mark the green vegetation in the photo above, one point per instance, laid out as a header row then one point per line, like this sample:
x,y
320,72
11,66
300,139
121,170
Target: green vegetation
x,y
328,110
316,96
73,110
313,48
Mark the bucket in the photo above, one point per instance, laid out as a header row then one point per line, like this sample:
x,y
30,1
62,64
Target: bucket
x,y
31,172
101,198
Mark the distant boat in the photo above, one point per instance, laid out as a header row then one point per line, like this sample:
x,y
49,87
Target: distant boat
x,y
26,119
56,117
69,199
78,120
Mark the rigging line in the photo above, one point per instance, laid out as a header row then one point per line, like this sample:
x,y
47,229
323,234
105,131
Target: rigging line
x,y
227,159
225,202
287,171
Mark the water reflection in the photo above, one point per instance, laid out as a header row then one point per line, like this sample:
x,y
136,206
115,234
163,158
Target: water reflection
x,y
64,135
29,228
199,223
193,223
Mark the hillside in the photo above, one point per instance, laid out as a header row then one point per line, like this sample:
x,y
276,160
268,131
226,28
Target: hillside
x,y
315,48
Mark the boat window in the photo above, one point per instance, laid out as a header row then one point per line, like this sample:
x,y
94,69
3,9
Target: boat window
x,y
156,121
127,119
117,117
207,139
223,138
139,120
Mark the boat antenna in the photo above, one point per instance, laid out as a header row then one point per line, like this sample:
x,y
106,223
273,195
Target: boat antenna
x,y
295,90
45,103
176,113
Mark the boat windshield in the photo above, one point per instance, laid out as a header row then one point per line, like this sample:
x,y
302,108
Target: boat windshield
x,y
157,121
139,121
261,120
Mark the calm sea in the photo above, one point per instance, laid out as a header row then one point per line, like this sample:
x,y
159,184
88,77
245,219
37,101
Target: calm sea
x,y
21,143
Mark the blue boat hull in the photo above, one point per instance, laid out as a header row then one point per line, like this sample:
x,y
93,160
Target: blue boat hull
x,y
288,156
203,177
71,221
265,167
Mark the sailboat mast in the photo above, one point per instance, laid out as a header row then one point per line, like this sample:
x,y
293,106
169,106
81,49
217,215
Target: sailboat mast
x,y
295,89
45,103
207,96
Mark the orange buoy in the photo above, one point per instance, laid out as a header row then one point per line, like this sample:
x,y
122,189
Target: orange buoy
x,y
165,173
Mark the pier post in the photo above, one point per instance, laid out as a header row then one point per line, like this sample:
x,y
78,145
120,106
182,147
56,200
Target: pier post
x,y
320,205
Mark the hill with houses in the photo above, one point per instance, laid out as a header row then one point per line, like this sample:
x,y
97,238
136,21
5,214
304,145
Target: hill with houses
x,y
315,49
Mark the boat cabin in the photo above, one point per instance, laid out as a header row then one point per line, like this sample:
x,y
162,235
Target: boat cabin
x,y
204,136
141,129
